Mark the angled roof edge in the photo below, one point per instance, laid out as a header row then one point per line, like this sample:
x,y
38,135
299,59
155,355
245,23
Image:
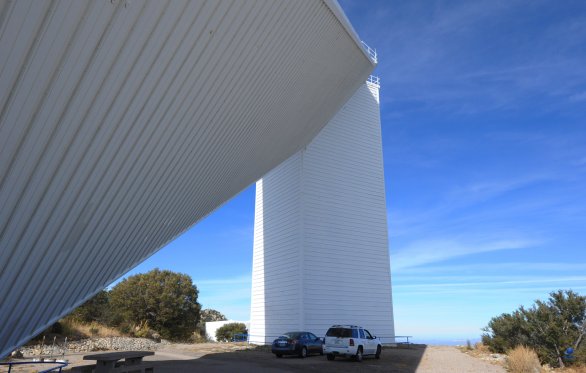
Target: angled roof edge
x,y
335,8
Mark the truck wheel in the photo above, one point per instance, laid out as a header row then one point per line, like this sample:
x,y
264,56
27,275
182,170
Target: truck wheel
x,y
331,357
378,351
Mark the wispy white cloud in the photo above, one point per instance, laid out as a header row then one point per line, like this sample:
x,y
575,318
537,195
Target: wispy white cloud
x,y
487,189
241,280
578,97
229,295
481,269
432,251
494,284
475,56
413,221
536,292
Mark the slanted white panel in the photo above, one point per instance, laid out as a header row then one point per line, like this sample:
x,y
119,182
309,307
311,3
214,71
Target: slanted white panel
x,y
122,123
328,201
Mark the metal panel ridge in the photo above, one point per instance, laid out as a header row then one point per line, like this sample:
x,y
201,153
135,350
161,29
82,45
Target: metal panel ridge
x,y
124,123
339,13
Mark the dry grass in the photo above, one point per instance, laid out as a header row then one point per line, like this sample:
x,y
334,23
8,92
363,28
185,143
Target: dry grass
x,y
575,369
74,328
522,359
482,348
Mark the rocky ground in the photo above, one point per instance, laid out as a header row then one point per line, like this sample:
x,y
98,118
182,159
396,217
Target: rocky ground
x,y
483,353
89,345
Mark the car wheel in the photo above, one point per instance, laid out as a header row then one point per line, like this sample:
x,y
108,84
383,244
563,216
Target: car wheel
x,y
279,355
358,355
321,351
331,356
303,352
378,351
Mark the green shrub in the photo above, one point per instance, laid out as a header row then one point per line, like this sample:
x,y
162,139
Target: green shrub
x,y
209,314
96,309
166,300
125,329
226,333
549,328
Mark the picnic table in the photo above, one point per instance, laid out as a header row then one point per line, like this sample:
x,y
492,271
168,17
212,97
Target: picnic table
x,y
108,362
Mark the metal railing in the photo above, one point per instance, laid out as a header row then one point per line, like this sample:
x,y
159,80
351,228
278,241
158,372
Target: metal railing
x,y
267,340
374,80
371,52
60,365
261,339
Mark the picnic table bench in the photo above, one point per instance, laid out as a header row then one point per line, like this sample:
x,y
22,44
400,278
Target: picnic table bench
x,y
109,362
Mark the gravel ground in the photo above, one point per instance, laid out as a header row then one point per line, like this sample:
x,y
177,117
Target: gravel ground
x,y
230,357
445,359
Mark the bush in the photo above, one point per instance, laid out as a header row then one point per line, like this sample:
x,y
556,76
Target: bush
x,y
522,359
198,337
209,314
549,328
125,329
226,333
206,315
165,301
96,309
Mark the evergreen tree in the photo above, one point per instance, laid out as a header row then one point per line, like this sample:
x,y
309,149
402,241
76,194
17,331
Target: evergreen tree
x,y
165,301
550,328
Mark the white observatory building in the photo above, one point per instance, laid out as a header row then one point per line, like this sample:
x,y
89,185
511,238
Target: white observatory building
x,y
321,254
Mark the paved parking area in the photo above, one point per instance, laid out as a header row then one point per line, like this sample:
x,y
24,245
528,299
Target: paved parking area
x,y
242,358
261,360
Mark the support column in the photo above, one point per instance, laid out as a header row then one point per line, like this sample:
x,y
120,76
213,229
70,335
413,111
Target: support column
x,y
321,252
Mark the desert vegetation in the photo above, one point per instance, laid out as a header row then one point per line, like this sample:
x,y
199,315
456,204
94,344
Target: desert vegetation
x,y
522,359
553,329
157,304
227,332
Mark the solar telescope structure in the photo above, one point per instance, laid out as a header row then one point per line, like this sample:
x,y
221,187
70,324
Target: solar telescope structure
x,y
124,123
321,254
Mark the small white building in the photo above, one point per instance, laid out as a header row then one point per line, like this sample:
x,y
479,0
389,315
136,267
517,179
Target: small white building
x,y
212,326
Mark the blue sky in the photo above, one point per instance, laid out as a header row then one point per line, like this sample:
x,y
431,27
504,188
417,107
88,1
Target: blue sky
x,y
484,139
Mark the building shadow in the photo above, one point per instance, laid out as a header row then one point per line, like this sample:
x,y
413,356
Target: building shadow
x,y
394,360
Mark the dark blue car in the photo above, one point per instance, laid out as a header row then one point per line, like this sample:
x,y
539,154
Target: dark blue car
x,y
301,344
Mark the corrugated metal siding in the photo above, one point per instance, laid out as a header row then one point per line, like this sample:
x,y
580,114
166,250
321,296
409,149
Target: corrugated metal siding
x,y
343,267
123,123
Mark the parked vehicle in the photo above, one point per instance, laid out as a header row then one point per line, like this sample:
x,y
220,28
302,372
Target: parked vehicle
x,y
351,341
297,343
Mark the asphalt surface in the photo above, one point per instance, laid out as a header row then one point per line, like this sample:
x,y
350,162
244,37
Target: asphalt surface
x,y
404,360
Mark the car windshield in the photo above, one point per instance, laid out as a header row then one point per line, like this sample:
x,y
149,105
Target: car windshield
x,y
339,332
292,335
